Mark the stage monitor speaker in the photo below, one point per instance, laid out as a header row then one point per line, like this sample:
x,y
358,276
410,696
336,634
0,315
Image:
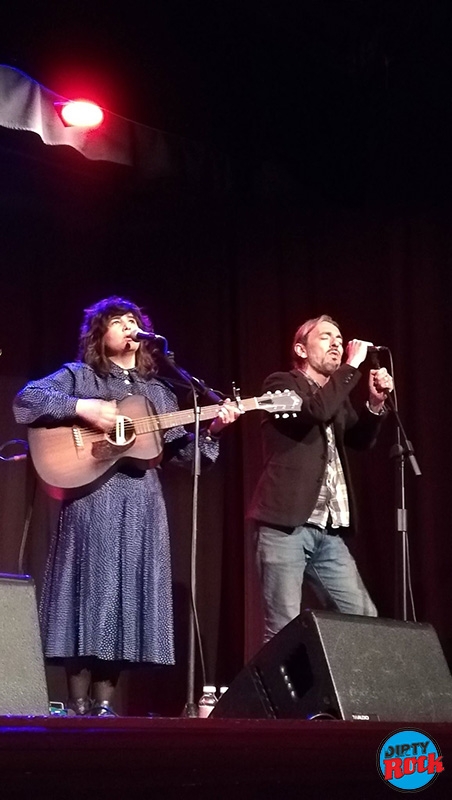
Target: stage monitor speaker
x,y
23,686
327,665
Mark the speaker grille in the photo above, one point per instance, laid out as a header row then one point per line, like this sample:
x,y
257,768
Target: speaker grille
x,y
325,664
23,689
383,669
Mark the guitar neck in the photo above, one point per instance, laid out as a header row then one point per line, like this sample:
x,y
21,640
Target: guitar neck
x,y
187,416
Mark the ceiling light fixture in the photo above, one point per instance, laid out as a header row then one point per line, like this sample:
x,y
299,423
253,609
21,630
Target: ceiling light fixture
x,y
80,113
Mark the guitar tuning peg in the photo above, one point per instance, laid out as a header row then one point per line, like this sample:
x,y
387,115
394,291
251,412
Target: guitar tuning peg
x,y
236,392
294,413
286,391
278,391
276,416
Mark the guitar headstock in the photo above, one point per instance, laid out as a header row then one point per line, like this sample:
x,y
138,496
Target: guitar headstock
x,y
284,402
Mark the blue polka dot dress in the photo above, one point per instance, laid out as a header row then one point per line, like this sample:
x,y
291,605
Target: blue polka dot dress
x,y
107,587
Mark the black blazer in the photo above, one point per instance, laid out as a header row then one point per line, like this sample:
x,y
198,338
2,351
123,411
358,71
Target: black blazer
x,y
295,449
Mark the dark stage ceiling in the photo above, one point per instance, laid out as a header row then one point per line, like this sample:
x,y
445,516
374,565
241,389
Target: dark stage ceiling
x,y
355,90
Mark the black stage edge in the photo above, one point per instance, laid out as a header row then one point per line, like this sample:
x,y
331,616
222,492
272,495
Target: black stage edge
x,y
134,757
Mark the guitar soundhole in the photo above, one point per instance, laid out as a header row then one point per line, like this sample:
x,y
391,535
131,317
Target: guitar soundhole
x,y
116,442
123,433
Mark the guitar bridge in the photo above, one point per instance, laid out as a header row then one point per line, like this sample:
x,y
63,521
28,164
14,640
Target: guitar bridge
x,y
78,438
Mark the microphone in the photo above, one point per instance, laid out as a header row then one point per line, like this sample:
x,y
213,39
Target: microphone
x,y
138,335
372,352
376,348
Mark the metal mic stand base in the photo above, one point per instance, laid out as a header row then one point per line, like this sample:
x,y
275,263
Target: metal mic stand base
x,y
190,711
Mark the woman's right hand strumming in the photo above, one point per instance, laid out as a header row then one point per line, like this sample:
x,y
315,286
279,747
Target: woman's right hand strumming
x,y
101,414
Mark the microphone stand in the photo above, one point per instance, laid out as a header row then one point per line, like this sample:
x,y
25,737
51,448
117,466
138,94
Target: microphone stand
x,y
402,450
199,389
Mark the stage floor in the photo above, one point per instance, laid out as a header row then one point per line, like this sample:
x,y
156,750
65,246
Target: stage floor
x,y
135,757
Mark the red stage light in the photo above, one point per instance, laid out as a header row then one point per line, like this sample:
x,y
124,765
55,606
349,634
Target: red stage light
x,y
81,113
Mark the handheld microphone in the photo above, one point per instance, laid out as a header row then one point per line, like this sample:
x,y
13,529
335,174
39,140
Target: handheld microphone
x,y
373,351
376,348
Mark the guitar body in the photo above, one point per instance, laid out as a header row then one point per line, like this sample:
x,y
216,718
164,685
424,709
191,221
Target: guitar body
x,y
72,459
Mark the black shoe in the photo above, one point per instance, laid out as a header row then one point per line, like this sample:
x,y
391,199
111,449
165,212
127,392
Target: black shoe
x,y
102,710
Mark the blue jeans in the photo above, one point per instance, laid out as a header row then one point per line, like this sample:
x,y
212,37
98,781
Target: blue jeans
x,y
285,559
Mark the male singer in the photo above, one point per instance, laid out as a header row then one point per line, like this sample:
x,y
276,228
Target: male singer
x,y
303,505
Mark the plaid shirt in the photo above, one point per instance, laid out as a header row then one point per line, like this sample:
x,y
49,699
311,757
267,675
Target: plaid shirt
x,y
333,499
332,502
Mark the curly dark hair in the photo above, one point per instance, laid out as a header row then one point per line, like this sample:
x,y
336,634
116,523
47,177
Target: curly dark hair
x,y
91,348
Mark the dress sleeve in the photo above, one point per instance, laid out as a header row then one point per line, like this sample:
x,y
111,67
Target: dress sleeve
x,y
182,449
179,443
47,399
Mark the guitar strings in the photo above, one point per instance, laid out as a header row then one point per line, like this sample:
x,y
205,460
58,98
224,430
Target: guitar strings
x,y
170,419
175,417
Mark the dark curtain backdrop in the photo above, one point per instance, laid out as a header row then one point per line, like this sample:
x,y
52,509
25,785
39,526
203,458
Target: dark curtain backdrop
x,y
227,276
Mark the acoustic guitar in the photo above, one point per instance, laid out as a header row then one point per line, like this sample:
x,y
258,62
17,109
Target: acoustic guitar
x,y
71,460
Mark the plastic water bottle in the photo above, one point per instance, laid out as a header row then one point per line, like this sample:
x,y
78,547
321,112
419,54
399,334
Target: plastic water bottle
x,y
207,701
